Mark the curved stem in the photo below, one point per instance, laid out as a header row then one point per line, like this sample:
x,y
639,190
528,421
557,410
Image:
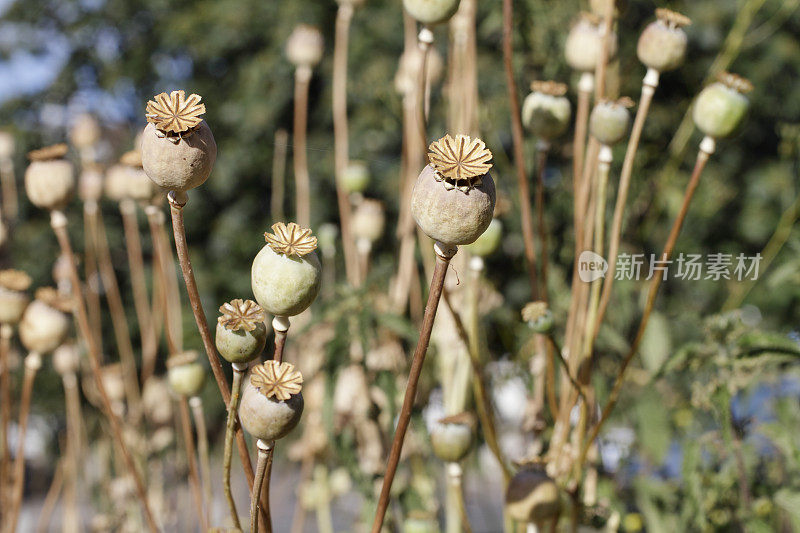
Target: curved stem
x,y
340,136
194,477
443,255
302,76
51,498
519,147
648,89
230,429
196,403
6,332
182,248
264,458
141,302
33,362
58,221
706,149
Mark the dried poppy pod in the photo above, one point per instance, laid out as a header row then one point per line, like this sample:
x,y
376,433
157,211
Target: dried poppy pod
x,y
138,186
721,107
539,317
241,331
609,120
186,376
7,145
452,437
454,196
585,42
178,148
286,273
662,45
113,382
155,402
546,111
116,183
13,298
368,221
305,46
430,12
489,241
532,496
90,183
85,131
355,177
49,179
67,359
272,401
45,322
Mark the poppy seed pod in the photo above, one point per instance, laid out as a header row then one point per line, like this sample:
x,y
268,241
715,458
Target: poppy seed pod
x,y
286,273
532,496
113,382
721,107
368,221
453,198
178,148
430,12
85,131
185,375
13,298
139,187
609,120
585,42
90,183
489,240
452,437
546,111
7,145
305,46
355,177
662,45
241,331
45,324
539,317
67,359
49,179
272,401
116,183
155,400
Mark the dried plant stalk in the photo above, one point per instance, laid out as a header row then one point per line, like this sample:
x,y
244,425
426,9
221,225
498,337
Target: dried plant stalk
x,y
239,371
194,477
278,175
6,332
8,184
72,455
91,273
443,255
58,221
51,498
264,463
202,451
302,77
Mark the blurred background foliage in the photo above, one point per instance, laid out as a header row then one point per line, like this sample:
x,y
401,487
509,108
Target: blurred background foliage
x,y
713,391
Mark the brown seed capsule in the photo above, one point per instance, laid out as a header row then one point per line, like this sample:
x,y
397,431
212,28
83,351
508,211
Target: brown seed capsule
x,y
368,221
13,298
139,187
90,183
532,496
662,45
178,148
585,42
454,196
305,46
49,179
85,131
45,324
272,401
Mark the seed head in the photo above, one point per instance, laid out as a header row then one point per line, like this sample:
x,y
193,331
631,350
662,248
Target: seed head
x,y
175,112
462,161
291,239
241,314
277,380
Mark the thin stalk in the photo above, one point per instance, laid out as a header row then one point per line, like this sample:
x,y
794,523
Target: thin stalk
x,y
58,221
9,187
340,135
118,319
565,364
278,175
196,403
519,146
425,41
194,477
542,150
160,303
51,498
71,460
91,273
456,519
177,202
239,371
6,332
299,518
133,247
264,457
707,148
33,362
444,253
280,325
649,86
323,510
602,60
302,77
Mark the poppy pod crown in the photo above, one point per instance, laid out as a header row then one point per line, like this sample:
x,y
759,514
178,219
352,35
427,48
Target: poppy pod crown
x,y
461,162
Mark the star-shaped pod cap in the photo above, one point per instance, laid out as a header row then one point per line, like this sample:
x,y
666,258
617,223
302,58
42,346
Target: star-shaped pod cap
x,y
291,239
175,113
461,162
277,380
48,153
241,314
